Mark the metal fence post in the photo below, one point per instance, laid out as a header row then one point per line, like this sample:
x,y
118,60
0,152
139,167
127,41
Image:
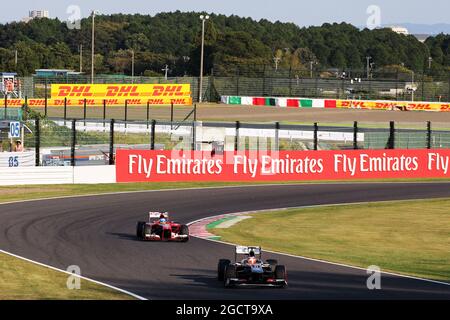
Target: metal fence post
x,y
6,106
355,135
316,140
199,90
277,136
429,133
195,112
74,142
65,110
152,136
236,138
84,110
104,111
171,116
148,112
37,142
194,138
111,142
126,112
45,106
391,142
46,88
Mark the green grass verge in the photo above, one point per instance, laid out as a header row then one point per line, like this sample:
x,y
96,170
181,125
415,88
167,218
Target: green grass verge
x,y
33,192
22,280
408,237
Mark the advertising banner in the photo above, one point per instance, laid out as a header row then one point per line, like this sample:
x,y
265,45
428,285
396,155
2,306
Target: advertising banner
x,y
343,104
393,105
111,91
171,166
17,159
77,102
111,94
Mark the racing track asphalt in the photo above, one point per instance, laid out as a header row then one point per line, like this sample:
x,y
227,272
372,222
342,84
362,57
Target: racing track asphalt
x,y
97,234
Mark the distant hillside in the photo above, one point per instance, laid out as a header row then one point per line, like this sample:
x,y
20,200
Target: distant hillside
x,y
174,39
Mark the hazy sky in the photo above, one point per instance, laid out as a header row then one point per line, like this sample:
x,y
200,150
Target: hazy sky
x,y
303,13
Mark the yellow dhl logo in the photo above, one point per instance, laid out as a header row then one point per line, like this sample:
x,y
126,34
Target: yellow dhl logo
x,y
121,91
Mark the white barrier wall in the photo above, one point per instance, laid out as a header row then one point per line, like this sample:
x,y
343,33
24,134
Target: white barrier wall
x,y
94,174
17,159
57,175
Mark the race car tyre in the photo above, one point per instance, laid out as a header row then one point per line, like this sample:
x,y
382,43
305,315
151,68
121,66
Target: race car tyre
x,y
222,265
184,231
280,274
273,263
230,272
140,228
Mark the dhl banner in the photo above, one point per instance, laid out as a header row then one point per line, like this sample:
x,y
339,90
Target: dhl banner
x,y
179,166
392,105
77,102
120,91
111,95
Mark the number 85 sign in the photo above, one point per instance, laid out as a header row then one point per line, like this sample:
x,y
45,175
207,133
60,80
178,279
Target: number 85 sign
x,y
14,129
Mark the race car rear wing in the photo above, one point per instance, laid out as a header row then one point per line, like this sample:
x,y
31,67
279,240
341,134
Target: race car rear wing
x,y
157,215
246,250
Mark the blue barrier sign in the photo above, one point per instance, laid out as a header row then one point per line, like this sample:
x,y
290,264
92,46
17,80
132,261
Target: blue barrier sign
x,y
14,129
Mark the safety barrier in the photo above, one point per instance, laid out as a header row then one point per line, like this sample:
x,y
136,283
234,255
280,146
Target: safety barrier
x,y
57,175
59,142
335,103
238,166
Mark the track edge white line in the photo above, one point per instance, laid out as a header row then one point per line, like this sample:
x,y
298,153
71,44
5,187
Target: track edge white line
x,y
72,274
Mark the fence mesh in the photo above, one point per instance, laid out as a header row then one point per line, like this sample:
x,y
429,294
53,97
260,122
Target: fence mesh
x,y
266,80
90,142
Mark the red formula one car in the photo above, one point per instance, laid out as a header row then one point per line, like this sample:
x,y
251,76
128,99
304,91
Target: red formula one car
x,y
161,228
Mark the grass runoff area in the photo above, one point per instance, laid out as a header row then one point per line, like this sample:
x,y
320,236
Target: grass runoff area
x,y
407,237
34,192
22,280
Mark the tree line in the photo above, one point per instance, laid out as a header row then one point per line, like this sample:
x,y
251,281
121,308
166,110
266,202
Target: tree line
x,y
174,39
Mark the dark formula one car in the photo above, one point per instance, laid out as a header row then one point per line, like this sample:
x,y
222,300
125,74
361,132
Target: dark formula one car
x,y
161,228
252,270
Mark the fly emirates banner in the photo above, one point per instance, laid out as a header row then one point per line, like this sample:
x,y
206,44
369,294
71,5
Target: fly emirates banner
x,y
170,166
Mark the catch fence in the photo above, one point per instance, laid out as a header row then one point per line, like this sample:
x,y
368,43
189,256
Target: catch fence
x,y
64,142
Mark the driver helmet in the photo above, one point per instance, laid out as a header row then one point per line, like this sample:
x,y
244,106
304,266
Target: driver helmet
x,y
251,257
162,220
